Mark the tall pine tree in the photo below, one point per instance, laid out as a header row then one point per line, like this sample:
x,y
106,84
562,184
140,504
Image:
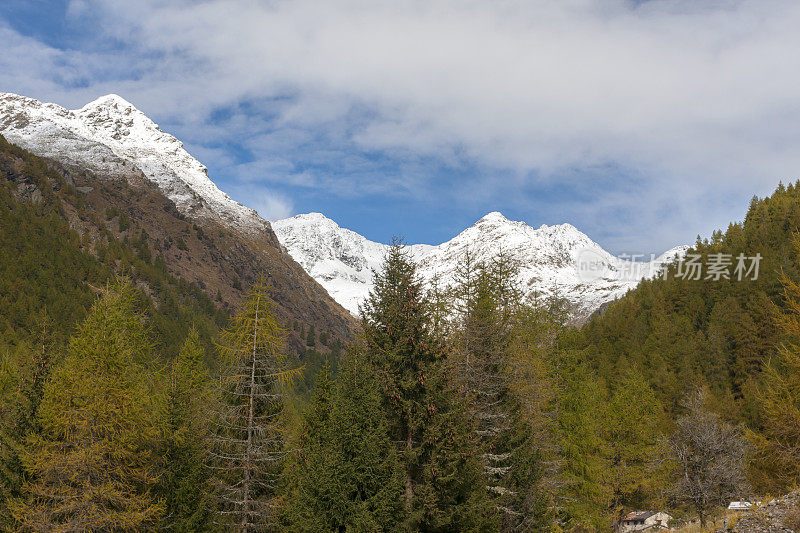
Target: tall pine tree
x,y
248,440
443,478
185,481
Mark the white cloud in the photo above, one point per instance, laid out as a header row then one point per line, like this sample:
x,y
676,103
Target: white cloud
x,y
271,206
695,100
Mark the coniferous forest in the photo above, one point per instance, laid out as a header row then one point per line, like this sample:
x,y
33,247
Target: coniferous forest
x,y
131,400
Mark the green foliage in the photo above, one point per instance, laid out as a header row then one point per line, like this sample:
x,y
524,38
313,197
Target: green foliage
x,y
185,483
634,427
412,425
584,450
680,332
311,338
443,481
123,222
24,370
45,265
493,365
40,263
94,465
534,477
249,426
777,459
345,475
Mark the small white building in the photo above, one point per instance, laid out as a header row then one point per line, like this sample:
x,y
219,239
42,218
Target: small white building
x,y
740,506
644,520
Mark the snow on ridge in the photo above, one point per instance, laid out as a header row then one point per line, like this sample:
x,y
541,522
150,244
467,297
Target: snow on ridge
x,y
110,136
553,259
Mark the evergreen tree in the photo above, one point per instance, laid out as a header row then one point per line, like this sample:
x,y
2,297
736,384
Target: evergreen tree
x,y
634,421
311,338
535,474
248,444
185,480
584,497
345,475
94,465
443,481
777,457
24,371
489,303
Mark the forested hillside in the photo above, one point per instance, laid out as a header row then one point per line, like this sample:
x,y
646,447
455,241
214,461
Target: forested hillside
x,y
720,333
50,274
123,223
65,237
134,400
737,338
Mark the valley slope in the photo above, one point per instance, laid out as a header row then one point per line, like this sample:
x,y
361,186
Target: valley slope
x,y
142,184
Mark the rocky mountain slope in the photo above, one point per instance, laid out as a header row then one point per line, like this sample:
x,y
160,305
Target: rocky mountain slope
x,y
109,142
554,260
109,136
126,168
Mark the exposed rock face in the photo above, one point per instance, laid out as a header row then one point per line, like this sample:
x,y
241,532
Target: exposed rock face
x,y
781,515
110,137
554,260
118,158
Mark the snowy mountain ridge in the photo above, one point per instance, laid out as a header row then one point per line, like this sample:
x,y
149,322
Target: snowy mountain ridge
x,y
554,260
110,136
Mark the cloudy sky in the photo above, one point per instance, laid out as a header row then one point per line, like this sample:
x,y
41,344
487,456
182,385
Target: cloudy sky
x,y
644,124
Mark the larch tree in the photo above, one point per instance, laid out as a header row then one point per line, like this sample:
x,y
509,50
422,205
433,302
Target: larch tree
x,y
24,371
247,448
583,497
777,445
94,466
633,434
534,479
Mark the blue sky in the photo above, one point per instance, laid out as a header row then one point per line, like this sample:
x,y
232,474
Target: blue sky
x,y
641,123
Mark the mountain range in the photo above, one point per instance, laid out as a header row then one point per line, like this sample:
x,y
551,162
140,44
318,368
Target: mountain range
x,y
556,260
109,139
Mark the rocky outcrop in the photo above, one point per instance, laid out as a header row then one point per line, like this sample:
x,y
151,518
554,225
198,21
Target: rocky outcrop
x,y
780,515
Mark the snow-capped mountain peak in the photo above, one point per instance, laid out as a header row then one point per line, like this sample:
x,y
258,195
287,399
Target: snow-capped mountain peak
x,y
110,136
109,100
557,259
493,217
